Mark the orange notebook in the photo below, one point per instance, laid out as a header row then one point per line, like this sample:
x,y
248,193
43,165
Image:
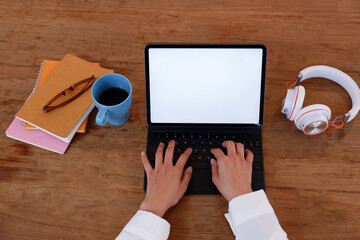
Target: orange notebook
x,y
46,67
63,121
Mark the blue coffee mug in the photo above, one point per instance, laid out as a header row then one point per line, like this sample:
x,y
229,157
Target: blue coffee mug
x,y
116,114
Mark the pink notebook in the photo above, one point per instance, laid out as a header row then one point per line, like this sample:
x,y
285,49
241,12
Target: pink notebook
x,y
41,139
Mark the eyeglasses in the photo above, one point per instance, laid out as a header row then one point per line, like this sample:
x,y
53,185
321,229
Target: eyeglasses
x,y
88,83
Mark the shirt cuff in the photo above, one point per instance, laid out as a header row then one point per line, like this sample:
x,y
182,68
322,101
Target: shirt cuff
x,y
149,226
246,207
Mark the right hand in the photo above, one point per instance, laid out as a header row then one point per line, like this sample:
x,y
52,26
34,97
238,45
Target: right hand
x,y
231,173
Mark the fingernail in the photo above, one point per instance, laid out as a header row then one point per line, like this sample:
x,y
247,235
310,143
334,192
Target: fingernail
x,y
190,169
212,161
172,141
142,153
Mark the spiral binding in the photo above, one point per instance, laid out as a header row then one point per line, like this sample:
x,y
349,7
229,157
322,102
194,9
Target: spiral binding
x,y
41,69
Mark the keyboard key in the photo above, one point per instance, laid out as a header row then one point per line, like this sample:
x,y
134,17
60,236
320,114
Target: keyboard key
x,y
257,158
153,147
179,142
257,166
253,136
200,158
178,150
218,144
255,150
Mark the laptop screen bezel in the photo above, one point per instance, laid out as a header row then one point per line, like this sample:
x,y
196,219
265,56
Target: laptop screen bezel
x,y
214,46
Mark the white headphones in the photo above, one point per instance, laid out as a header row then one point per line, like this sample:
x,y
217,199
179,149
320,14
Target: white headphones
x,y
315,119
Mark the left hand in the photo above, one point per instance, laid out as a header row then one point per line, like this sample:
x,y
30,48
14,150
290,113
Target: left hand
x,y
166,183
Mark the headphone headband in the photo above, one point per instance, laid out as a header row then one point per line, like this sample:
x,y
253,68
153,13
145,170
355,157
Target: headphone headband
x,y
340,78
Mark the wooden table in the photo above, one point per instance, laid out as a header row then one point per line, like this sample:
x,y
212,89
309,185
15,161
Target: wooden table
x,y
94,189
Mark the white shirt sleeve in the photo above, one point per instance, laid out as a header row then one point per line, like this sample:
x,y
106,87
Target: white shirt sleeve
x,y
145,226
251,217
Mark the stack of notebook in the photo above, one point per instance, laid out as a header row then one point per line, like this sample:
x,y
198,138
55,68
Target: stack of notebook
x,y
54,130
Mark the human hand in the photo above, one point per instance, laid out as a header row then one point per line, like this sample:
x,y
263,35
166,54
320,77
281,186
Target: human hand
x,y
166,183
231,173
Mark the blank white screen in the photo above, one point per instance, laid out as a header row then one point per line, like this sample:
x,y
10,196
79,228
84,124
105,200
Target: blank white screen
x,y
204,85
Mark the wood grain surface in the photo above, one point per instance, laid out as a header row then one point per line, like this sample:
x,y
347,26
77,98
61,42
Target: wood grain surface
x,y
93,190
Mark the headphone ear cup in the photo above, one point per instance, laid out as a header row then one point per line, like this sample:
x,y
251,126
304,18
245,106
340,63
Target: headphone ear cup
x,y
313,119
293,102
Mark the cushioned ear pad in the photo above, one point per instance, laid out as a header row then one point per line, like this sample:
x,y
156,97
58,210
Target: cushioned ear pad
x,y
293,102
311,111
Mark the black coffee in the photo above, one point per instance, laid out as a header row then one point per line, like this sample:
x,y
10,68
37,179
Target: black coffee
x,y
113,96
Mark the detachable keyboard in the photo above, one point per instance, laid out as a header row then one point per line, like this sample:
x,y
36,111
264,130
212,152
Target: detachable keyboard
x,y
201,143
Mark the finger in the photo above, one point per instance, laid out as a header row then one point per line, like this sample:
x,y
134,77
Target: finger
x,y
240,150
183,158
146,163
186,179
230,147
249,156
214,170
218,153
169,153
159,155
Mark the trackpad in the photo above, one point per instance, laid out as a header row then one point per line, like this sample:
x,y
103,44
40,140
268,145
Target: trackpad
x,y
201,183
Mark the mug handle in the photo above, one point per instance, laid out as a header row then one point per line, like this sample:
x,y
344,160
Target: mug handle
x,y
102,117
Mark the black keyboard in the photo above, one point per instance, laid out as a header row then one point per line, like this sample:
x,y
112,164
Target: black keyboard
x,y
201,143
